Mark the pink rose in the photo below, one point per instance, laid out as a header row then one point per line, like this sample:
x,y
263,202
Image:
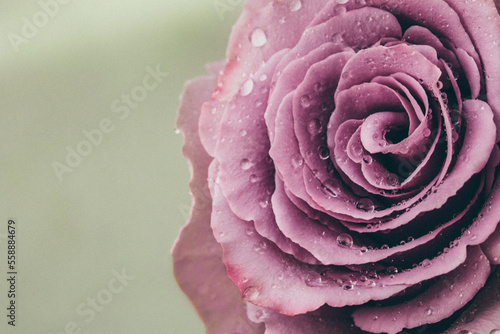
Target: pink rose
x,y
344,170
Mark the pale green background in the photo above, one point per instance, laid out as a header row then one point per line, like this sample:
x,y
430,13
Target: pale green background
x,y
123,205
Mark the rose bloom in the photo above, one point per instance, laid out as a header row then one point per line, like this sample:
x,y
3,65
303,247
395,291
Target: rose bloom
x,y
344,170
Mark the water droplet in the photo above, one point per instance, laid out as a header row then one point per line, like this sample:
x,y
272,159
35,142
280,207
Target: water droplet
x,y
246,88
314,126
254,178
439,85
375,318
468,316
371,284
249,232
319,87
345,240
177,131
367,159
391,270
263,77
348,286
427,132
297,161
258,37
428,311
245,164
324,152
331,187
341,2
495,331
243,133
295,5
250,293
426,263
305,101
263,203
337,38
392,180
365,204
465,332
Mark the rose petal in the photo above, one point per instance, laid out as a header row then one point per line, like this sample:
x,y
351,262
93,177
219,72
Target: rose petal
x,y
325,320
196,251
443,298
288,286
483,315
486,36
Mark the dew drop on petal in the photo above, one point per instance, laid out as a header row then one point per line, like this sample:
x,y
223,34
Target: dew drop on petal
x,y
295,5
391,270
468,316
245,164
392,180
324,152
331,187
246,88
365,204
263,203
495,331
428,311
337,38
465,332
348,286
258,37
305,101
297,161
427,132
367,159
341,2
426,263
250,293
345,240
314,126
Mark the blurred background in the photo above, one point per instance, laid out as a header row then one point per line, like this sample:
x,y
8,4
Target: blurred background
x,y
90,164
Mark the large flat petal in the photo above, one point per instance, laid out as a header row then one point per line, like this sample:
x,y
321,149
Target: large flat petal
x,y
197,257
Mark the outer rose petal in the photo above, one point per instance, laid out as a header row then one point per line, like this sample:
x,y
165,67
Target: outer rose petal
x,y
198,265
483,315
325,320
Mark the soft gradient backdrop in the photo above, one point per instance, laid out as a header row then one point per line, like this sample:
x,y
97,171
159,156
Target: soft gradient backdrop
x,y
119,209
